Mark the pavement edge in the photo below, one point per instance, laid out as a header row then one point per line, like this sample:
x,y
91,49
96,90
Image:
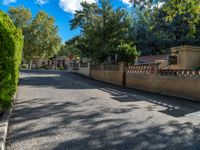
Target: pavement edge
x,y
4,124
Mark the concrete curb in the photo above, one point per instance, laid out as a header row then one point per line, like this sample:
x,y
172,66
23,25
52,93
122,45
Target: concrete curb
x,y
4,124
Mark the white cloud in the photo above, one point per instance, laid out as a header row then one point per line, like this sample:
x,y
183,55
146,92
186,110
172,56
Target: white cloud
x,y
42,2
71,6
126,1
7,2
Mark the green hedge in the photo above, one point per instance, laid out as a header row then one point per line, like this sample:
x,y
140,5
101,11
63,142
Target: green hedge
x,y
11,44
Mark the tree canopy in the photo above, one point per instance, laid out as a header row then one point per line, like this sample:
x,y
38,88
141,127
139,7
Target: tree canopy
x,y
21,16
103,29
162,24
70,48
153,27
41,38
46,41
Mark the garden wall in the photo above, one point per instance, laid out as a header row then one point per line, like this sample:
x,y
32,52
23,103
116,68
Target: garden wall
x,y
108,73
84,69
81,68
179,83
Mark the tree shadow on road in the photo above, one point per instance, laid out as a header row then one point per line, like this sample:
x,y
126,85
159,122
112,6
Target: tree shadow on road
x,y
100,126
176,107
98,129
150,138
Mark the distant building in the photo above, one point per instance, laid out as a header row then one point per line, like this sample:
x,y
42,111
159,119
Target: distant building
x,y
162,60
151,59
51,63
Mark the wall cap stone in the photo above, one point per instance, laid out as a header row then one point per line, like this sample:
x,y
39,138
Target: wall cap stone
x,y
186,48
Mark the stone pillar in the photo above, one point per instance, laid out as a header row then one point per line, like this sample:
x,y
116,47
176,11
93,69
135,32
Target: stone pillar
x,y
101,66
89,69
89,65
187,57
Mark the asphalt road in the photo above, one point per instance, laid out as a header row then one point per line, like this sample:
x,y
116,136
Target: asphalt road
x,y
64,111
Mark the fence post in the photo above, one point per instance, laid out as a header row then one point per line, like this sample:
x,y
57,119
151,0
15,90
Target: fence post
x,y
89,74
122,69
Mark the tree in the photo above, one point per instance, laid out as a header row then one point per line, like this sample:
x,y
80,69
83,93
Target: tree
x,y
165,24
185,14
145,4
103,29
127,52
21,17
83,18
43,39
70,48
40,33
147,40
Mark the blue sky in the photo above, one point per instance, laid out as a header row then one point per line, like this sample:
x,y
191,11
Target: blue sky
x,y
62,10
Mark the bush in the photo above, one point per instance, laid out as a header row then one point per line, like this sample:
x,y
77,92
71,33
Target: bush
x,y
127,52
11,44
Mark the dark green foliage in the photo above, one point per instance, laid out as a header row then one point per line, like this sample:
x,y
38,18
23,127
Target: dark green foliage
x,y
103,29
127,52
70,48
164,24
146,40
179,23
11,44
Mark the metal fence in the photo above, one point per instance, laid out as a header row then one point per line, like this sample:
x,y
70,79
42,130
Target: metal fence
x,y
142,69
185,73
148,69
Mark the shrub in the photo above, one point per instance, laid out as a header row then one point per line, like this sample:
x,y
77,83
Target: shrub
x,y
127,52
11,44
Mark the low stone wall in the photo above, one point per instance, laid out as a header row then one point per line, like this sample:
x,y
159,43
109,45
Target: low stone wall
x,y
74,67
178,83
81,68
108,73
173,83
113,77
84,68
